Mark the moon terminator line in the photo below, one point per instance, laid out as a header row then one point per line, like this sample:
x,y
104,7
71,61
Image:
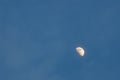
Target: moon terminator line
x,y
80,50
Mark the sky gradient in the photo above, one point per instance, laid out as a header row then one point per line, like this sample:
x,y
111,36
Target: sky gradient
x,y
38,39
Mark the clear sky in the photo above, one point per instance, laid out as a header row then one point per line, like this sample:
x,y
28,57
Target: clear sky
x,y
38,39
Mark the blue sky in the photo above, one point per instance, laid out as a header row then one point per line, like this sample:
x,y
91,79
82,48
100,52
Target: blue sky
x,y
38,39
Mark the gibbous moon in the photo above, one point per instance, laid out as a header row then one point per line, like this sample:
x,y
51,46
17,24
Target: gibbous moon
x,y
80,50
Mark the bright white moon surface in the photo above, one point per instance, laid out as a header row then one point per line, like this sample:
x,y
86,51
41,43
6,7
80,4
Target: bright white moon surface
x,y
80,50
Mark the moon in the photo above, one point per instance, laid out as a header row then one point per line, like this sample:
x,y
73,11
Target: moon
x,y
80,50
